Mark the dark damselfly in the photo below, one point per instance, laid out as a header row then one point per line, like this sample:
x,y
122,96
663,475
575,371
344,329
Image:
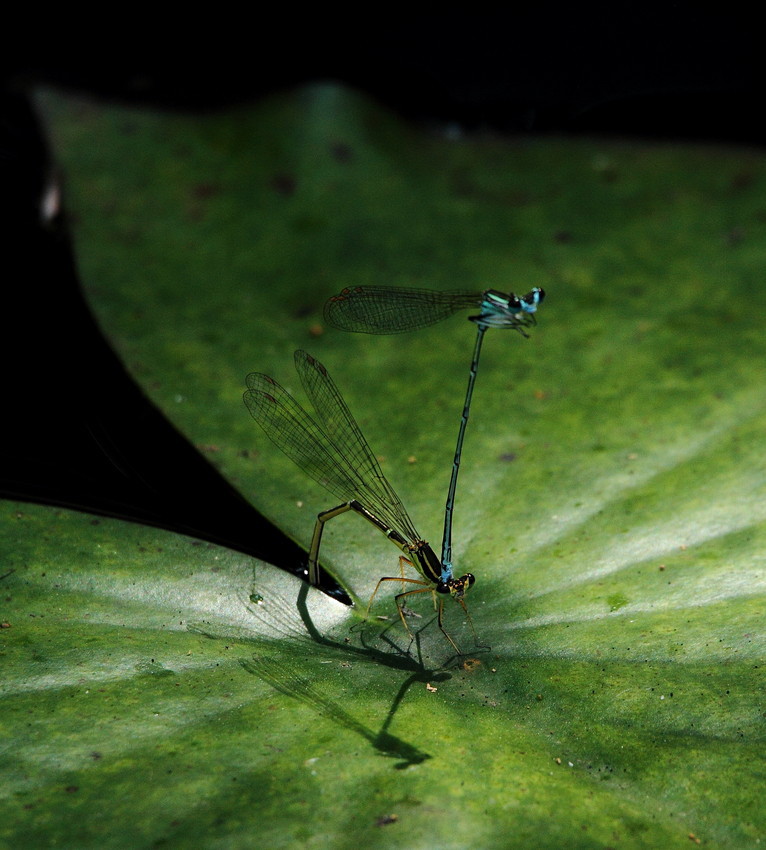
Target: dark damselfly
x,y
331,448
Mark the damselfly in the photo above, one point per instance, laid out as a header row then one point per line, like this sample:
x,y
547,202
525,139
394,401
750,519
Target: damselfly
x,y
389,310
333,451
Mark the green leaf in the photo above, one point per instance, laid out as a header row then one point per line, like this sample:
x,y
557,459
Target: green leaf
x,y
611,502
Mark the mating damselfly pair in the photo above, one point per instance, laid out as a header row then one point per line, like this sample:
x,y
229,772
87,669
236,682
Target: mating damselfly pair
x,y
331,448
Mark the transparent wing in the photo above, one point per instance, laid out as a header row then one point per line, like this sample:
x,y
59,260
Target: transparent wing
x,y
389,310
342,429
342,463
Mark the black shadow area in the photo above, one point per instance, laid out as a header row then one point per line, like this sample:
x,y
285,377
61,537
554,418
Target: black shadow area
x,y
75,430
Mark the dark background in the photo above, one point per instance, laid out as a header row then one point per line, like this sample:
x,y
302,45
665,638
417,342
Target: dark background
x,y
74,429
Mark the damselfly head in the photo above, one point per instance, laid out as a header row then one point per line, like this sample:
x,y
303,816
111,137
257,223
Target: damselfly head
x,y
456,587
528,303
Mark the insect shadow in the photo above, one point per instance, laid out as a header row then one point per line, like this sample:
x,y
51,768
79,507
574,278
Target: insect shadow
x,y
281,661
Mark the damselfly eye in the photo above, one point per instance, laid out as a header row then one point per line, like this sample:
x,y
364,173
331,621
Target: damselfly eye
x,y
535,297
